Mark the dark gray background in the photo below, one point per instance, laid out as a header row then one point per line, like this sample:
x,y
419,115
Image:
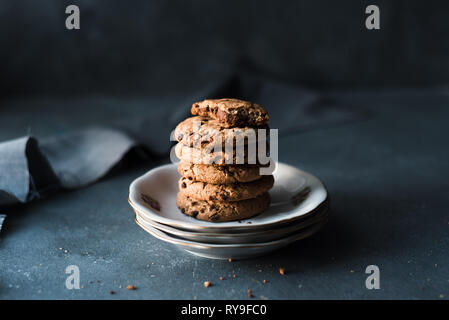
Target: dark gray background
x,y
165,46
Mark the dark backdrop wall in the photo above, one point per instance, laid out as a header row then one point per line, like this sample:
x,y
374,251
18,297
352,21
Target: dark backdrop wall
x,y
163,46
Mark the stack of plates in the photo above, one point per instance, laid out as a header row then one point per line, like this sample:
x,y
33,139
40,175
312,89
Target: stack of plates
x,y
298,209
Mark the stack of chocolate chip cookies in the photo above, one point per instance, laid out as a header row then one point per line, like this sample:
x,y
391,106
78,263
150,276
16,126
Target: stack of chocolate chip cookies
x,y
220,183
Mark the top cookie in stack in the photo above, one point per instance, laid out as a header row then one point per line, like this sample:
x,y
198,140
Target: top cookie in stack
x,y
232,112
216,185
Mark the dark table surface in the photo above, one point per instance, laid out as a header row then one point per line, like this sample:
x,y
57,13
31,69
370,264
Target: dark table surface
x,y
387,176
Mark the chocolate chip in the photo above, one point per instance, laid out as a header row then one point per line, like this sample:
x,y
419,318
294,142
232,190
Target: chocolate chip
x,y
213,217
212,207
190,178
212,198
194,214
180,136
184,185
183,210
224,197
194,203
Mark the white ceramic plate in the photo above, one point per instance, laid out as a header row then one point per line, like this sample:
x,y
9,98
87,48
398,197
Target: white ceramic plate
x,y
295,195
255,236
234,251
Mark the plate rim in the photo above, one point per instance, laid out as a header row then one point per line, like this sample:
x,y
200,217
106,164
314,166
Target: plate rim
x,y
208,246
322,214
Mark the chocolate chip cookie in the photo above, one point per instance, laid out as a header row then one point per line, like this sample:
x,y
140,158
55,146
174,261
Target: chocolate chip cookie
x,y
220,156
216,174
200,132
225,192
232,112
216,211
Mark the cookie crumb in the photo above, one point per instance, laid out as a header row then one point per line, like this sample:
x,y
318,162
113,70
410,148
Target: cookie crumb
x,y
130,287
282,271
230,260
234,276
264,281
221,278
111,292
207,284
250,293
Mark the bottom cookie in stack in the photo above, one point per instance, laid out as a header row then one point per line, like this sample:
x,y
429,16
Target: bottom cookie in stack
x,y
221,211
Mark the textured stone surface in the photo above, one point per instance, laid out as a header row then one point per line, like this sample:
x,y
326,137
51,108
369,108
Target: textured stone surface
x,y
387,179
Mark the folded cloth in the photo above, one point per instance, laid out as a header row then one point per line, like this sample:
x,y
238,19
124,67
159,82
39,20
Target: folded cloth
x,y
32,169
